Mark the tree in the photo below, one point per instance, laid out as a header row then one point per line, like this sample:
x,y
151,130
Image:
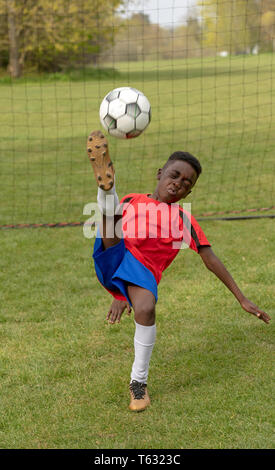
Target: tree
x,y
139,39
268,24
4,42
14,65
52,34
187,39
228,26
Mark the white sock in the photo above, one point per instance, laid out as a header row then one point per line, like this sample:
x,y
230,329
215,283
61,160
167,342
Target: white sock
x,y
144,340
108,200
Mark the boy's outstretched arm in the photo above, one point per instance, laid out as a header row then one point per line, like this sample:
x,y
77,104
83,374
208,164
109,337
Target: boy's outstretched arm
x,y
213,263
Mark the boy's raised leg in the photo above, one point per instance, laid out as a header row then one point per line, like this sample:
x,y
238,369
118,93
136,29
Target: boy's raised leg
x,y
143,301
107,198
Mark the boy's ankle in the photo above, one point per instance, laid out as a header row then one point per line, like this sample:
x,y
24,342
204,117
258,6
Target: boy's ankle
x,y
108,201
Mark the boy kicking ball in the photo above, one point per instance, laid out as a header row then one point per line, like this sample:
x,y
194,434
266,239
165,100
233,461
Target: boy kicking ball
x,y
149,229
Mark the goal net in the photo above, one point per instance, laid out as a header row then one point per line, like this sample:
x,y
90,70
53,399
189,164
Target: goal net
x,y
207,68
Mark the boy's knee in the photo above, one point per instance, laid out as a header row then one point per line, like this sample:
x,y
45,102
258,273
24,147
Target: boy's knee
x,y
145,314
143,302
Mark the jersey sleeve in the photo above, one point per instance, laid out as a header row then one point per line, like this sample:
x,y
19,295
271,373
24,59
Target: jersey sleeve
x,y
197,237
127,198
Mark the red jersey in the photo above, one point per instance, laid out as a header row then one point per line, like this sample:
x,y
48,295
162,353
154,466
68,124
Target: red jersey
x,y
154,231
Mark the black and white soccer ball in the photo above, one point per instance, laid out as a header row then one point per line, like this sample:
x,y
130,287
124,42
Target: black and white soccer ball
x,y
125,112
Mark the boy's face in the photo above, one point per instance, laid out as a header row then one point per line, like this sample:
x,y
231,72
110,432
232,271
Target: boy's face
x,y
175,181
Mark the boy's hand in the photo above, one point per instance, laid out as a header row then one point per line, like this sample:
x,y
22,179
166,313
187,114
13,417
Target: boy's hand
x,y
252,308
116,310
213,263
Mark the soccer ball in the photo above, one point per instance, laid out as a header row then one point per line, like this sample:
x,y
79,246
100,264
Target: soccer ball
x,y
125,112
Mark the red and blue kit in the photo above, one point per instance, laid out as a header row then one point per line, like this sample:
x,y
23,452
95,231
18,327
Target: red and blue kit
x,y
153,234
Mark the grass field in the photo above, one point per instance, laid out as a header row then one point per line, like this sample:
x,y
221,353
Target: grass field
x,y
64,370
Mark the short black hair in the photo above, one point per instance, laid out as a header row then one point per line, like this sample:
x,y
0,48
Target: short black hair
x,y
185,157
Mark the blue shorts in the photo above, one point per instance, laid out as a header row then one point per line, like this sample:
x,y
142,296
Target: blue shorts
x,y
116,267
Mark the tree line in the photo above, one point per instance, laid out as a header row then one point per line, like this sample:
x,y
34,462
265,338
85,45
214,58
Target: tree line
x,y
212,27
52,35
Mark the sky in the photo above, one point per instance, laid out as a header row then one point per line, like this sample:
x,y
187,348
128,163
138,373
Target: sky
x,y
167,13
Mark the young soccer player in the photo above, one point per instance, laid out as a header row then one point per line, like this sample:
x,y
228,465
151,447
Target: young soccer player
x,y
149,229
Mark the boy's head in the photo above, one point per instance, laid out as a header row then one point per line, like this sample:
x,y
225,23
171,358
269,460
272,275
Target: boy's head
x,y
177,177
185,157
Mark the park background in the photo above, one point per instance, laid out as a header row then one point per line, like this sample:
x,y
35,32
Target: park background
x,y
208,70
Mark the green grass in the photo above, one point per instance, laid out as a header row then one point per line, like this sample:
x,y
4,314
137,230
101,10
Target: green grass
x,y
65,371
219,109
